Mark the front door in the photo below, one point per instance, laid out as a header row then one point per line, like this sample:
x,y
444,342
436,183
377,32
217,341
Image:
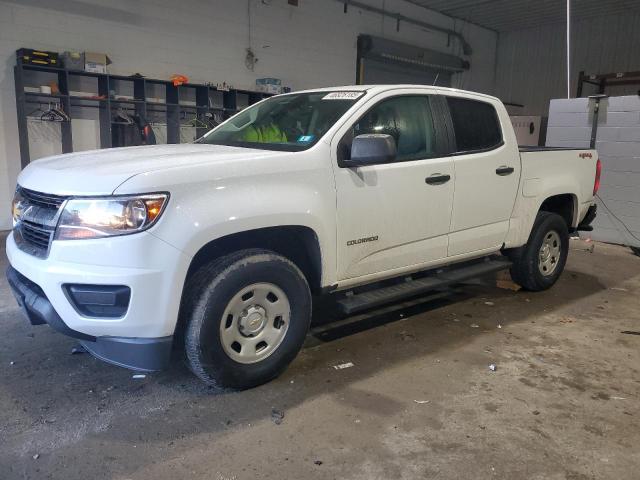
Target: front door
x,y
395,215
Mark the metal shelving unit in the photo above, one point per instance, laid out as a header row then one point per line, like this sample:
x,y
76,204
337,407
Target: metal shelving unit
x,y
177,103
602,81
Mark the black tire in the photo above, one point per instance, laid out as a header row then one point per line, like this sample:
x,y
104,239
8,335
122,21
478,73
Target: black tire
x,y
636,250
525,270
211,289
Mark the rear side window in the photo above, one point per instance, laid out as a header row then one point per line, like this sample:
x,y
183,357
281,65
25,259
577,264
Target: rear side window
x,y
475,124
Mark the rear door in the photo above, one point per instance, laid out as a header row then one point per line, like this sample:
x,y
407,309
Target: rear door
x,y
393,215
487,174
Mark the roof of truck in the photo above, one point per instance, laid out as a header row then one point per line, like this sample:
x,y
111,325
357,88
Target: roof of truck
x,y
382,88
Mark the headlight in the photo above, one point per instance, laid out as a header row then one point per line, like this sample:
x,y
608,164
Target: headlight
x,y
84,218
17,206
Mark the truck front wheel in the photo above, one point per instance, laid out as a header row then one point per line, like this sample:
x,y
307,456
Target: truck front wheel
x,y
247,316
538,264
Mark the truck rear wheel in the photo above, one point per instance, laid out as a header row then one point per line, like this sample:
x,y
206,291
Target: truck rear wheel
x,y
247,317
539,264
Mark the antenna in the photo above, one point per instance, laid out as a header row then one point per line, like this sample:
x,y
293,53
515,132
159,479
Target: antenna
x,y
436,79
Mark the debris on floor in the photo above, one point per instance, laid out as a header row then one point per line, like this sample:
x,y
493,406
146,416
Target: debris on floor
x,y
491,304
493,367
277,416
422,402
36,456
585,245
13,363
342,366
318,462
508,285
138,376
78,349
474,325
628,332
619,289
407,336
504,281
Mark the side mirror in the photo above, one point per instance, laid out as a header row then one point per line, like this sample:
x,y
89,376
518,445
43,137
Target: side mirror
x,y
372,148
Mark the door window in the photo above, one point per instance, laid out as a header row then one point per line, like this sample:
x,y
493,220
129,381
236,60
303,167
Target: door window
x,y
475,124
407,119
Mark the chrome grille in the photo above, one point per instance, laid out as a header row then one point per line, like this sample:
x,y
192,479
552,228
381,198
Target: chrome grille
x,y
42,199
34,230
38,236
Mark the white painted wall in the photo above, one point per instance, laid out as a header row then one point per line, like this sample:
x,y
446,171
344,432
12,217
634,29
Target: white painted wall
x,y
531,67
307,46
618,145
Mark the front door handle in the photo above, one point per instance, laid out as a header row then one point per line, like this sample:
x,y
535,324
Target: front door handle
x,y
437,179
504,170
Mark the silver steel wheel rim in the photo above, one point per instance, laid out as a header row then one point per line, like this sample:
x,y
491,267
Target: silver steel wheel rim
x,y
255,322
550,252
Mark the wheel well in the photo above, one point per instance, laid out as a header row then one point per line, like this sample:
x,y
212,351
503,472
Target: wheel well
x,y
298,244
563,205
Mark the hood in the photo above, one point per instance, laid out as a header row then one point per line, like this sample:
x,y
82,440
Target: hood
x,y
100,172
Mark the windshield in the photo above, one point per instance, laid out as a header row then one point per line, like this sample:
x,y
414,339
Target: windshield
x,y
292,122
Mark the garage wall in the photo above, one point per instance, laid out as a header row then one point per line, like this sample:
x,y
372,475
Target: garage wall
x,y
531,67
307,46
618,145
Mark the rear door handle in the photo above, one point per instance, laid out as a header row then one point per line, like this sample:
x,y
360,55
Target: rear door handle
x,y
437,179
504,170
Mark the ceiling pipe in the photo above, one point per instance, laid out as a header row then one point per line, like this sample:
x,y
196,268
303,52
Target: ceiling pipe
x,y
568,48
466,48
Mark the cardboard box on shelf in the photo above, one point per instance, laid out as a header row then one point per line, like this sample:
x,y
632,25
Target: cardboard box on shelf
x,y
96,62
269,85
268,81
269,88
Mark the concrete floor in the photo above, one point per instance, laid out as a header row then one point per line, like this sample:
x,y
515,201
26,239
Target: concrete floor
x,y
419,401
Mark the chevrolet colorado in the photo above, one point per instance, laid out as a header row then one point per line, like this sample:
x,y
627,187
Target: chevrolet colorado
x,y
341,191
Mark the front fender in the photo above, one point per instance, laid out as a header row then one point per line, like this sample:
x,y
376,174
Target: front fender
x,y
201,211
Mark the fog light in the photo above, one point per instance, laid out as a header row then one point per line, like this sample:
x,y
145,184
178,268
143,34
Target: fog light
x,y
99,301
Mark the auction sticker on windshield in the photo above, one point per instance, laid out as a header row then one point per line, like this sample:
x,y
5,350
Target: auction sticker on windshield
x,y
342,95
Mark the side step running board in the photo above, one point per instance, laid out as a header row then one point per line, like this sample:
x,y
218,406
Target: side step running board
x,y
455,274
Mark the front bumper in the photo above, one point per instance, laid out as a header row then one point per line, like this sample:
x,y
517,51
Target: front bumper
x,y
154,271
141,354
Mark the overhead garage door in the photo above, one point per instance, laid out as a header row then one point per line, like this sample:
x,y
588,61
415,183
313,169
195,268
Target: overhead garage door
x,y
382,61
376,72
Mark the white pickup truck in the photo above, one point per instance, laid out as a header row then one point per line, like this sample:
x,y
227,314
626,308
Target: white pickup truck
x,y
222,243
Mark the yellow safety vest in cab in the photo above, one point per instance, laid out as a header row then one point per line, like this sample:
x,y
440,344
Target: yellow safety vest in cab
x,y
266,134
